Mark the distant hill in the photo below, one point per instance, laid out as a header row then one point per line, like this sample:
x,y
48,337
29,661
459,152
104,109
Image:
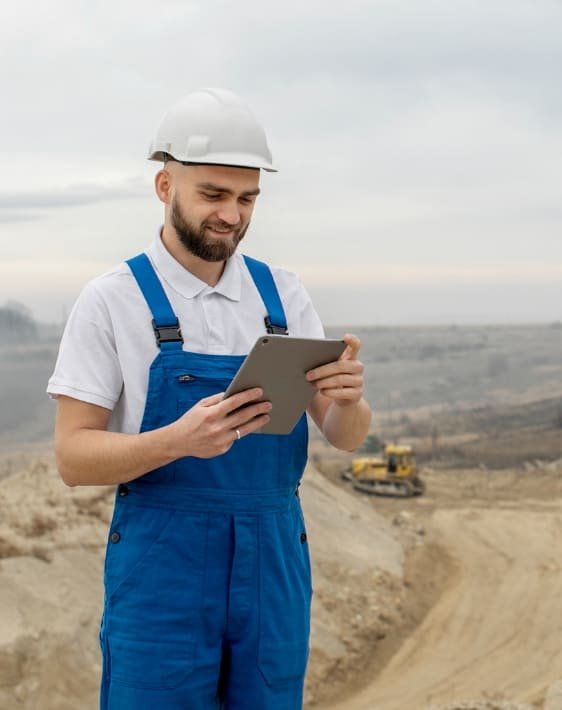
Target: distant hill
x,y
28,351
460,379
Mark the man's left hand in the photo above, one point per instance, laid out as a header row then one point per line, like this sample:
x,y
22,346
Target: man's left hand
x,y
341,381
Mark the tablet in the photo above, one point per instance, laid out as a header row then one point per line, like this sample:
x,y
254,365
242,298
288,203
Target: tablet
x,y
278,364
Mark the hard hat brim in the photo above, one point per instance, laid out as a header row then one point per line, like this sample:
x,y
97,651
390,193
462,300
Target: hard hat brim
x,y
231,160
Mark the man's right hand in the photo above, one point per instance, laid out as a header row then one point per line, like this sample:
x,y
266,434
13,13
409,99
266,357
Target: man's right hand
x,y
88,454
209,428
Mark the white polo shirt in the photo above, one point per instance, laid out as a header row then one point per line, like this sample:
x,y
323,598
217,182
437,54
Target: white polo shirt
x,y
108,343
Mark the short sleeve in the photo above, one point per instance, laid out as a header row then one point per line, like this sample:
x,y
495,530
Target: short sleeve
x,y
310,325
302,319
87,366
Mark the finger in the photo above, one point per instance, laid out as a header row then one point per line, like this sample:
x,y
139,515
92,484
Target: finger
x,y
235,401
343,394
212,399
339,381
253,425
353,346
242,416
349,355
334,368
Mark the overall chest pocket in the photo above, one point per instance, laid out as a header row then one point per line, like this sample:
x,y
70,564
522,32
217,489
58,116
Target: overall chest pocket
x,y
189,389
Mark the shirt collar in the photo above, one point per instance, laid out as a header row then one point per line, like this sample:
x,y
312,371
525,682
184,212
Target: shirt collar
x,y
186,283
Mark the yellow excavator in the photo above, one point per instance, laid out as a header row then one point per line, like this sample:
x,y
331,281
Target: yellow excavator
x,y
393,474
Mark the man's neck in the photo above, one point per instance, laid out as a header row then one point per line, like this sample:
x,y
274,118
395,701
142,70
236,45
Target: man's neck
x,y
207,271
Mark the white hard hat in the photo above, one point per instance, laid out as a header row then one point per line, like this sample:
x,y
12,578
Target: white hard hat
x,y
212,126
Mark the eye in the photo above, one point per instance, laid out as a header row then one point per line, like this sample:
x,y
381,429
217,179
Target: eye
x,y
211,195
246,200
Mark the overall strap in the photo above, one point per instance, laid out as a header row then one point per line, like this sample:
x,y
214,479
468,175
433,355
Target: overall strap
x,y
164,321
275,321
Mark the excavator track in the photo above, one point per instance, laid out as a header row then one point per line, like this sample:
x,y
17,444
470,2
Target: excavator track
x,y
397,489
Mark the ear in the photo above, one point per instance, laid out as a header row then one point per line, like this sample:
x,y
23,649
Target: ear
x,y
163,186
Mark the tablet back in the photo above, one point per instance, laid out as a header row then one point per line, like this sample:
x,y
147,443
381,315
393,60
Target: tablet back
x,y
278,364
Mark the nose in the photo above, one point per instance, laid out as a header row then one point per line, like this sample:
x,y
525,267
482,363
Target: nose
x,y
229,213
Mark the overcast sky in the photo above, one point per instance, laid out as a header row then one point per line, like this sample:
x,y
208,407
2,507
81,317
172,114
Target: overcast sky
x,y
419,146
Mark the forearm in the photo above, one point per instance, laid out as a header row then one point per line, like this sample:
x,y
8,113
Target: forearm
x,y
346,427
90,457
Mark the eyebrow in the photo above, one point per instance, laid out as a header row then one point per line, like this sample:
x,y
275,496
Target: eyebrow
x,y
226,190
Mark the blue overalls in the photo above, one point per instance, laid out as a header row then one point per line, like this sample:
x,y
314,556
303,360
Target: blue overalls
x,y
207,571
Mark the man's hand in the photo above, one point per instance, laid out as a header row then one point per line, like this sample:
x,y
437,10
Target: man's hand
x,y
209,427
88,454
338,407
341,381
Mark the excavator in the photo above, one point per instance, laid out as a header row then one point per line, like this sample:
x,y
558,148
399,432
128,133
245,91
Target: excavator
x,y
393,474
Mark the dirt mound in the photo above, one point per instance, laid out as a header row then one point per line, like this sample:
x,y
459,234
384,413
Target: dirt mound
x,y
418,603
485,705
52,541
41,515
357,567
491,640
51,551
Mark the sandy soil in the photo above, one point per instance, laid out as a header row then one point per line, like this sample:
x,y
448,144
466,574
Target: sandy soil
x,y
450,601
51,560
52,541
494,634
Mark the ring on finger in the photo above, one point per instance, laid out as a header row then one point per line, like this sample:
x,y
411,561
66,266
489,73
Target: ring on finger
x,y
238,435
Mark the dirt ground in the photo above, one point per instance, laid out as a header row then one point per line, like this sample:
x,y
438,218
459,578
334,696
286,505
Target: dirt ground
x,y
52,541
487,630
450,601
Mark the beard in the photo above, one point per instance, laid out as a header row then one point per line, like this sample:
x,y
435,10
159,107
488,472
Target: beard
x,y
195,239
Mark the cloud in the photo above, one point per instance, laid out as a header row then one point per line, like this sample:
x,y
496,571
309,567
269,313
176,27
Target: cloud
x,y
54,276
16,217
415,140
70,196
306,67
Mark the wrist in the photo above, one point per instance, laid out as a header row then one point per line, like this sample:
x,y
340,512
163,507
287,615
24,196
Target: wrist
x,y
344,403
172,442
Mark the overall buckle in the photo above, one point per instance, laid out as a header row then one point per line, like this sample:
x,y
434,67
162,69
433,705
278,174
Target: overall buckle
x,y
274,329
167,333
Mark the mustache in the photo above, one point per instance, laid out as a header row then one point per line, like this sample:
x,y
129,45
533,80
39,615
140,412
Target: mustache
x,y
223,225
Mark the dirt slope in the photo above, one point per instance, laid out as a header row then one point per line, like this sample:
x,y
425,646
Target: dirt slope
x,y
486,583
497,627
52,541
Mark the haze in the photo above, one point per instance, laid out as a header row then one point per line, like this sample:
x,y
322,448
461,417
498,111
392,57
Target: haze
x,y
418,146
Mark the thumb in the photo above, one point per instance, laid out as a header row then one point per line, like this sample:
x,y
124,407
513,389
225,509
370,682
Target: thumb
x,y
353,346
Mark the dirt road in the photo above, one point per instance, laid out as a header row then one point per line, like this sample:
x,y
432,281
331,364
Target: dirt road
x,y
497,626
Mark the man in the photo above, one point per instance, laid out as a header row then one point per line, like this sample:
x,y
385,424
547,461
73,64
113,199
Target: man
x,y
207,576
